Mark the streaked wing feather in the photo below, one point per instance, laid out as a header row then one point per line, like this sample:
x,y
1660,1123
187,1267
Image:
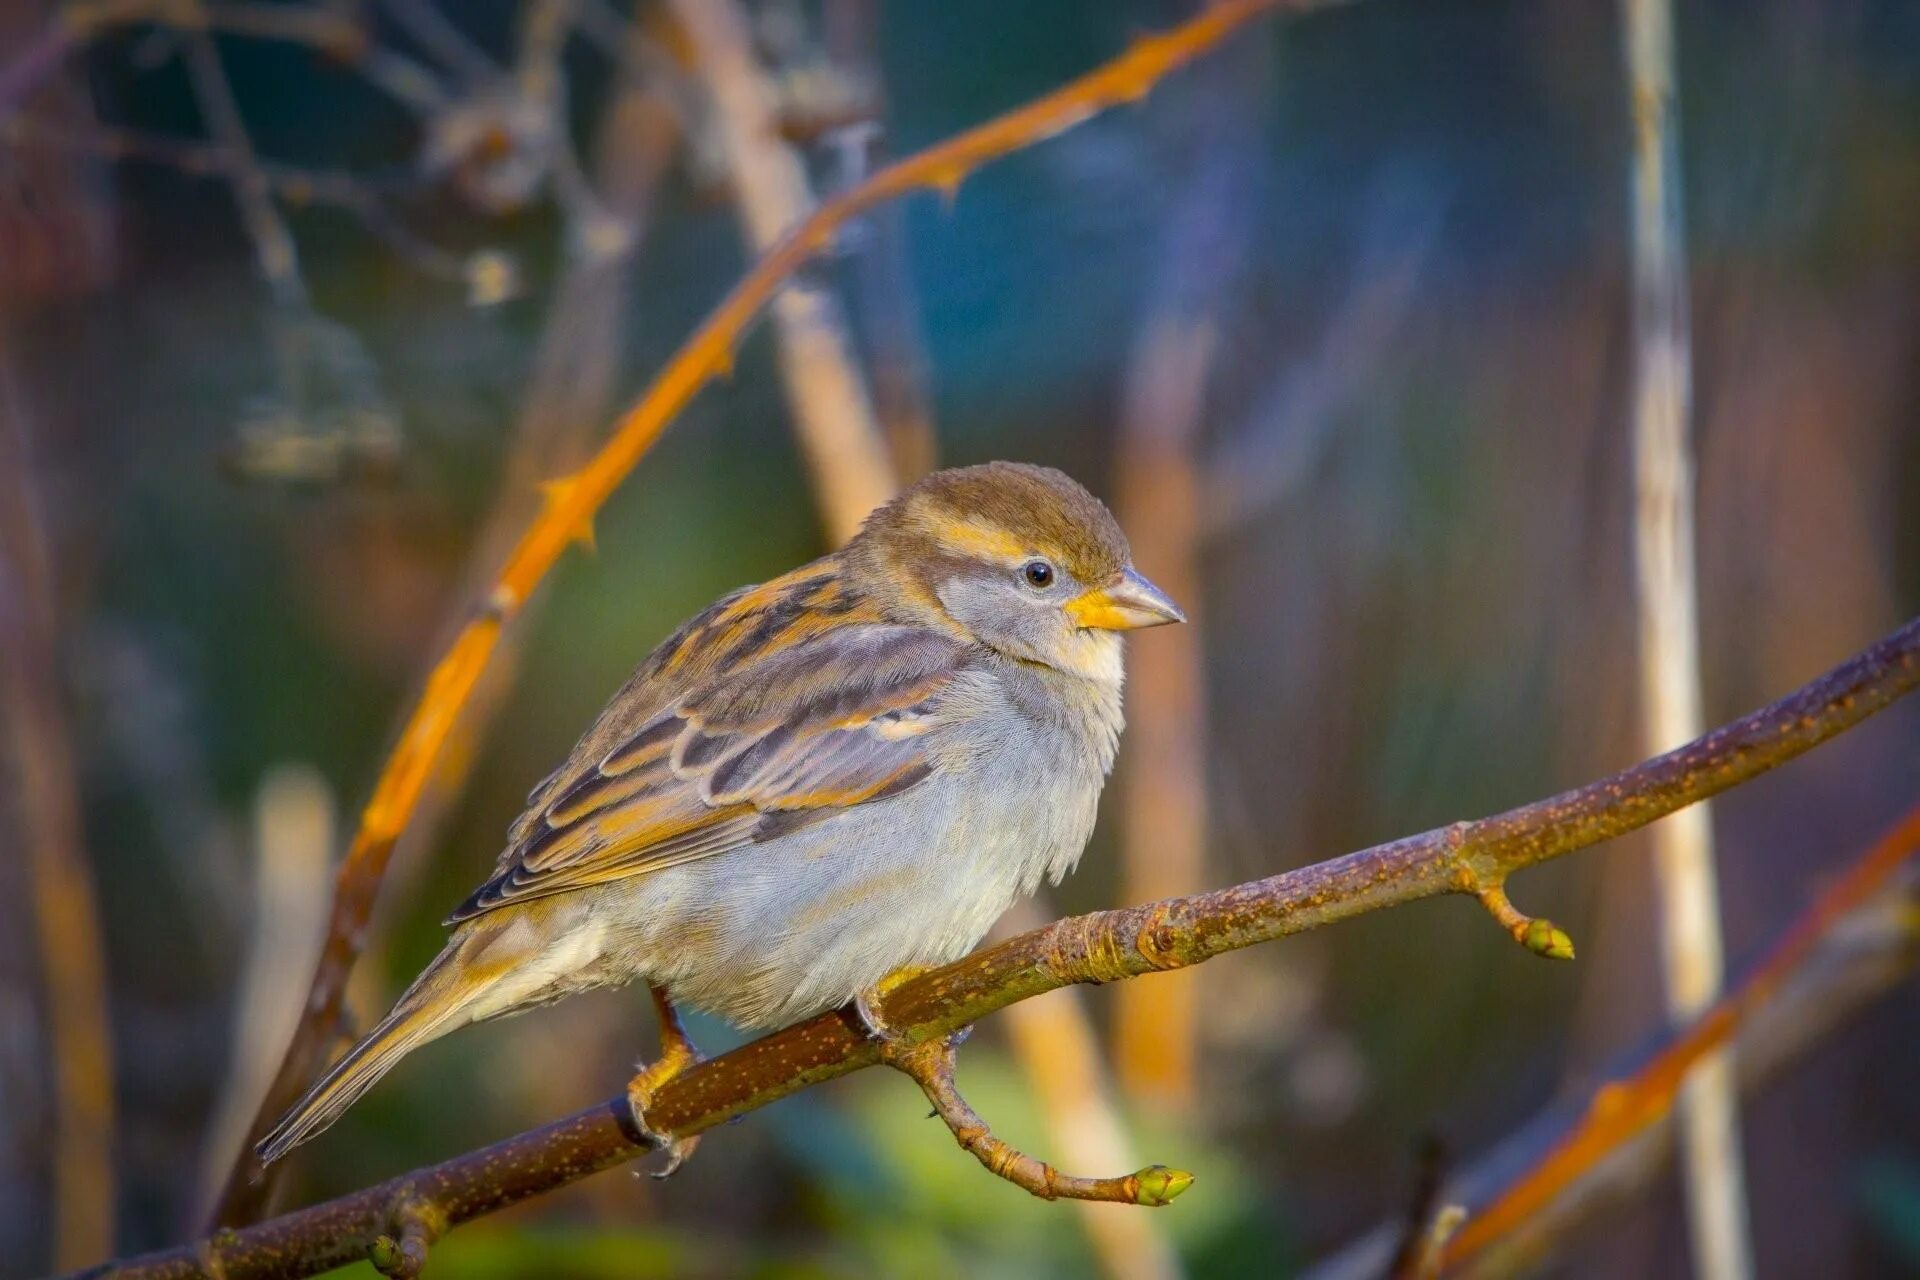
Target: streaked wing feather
x,y
824,721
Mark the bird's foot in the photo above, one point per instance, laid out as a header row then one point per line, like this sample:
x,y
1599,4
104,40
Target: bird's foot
x,y
677,1054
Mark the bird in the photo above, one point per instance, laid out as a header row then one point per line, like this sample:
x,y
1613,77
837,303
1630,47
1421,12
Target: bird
x,y
837,776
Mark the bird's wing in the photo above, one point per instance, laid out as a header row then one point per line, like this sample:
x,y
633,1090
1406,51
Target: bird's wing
x,y
830,721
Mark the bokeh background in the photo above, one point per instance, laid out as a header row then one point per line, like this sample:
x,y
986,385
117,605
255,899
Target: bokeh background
x,y
1359,281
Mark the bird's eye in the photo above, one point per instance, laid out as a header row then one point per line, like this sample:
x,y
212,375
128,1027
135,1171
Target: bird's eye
x,y
1037,574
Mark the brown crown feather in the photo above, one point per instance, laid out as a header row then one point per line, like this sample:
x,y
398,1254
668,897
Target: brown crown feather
x,y
1046,511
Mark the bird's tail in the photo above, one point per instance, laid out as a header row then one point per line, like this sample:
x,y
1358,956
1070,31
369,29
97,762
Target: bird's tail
x,y
439,1000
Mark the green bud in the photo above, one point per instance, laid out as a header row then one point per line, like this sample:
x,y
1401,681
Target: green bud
x,y
1545,938
1160,1185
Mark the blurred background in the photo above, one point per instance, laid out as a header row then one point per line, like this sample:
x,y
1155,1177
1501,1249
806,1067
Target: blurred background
x,y
300,301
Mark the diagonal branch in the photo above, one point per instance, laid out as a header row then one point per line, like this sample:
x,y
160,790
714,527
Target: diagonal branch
x,y
572,501
1464,858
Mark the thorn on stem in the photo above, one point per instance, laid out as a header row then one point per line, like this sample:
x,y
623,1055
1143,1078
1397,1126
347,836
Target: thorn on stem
x,y
1536,933
558,493
947,181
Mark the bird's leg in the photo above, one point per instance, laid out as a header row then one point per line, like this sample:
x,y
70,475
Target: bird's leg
x,y
931,1064
677,1053
867,1003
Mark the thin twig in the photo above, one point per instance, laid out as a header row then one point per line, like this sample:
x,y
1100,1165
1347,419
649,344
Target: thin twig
x,y
1429,1184
931,1065
273,248
845,451
45,798
572,501
1667,591
1103,947
1264,462
879,280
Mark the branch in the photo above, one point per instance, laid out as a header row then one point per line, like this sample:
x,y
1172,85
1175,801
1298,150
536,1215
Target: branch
x,y
573,500
1852,945
364,198
1464,858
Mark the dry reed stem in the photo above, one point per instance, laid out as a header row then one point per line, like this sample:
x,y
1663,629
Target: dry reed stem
x,y
1163,836
840,438
45,798
1161,501
293,840
1667,591
1464,858
1059,1051
573,500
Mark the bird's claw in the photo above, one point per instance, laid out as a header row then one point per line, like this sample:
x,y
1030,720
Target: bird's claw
x,y
876,1026
640,1093
677,1054
866,1005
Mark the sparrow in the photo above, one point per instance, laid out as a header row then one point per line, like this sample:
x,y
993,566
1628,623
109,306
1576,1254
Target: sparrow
x,y
841,774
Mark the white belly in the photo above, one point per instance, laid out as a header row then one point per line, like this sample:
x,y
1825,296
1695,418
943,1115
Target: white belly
x,y
770,933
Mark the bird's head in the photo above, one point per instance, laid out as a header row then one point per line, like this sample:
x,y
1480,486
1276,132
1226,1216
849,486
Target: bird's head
x,y
1020,558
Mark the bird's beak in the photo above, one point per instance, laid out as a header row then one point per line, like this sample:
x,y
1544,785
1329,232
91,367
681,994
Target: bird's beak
x,y
1127,603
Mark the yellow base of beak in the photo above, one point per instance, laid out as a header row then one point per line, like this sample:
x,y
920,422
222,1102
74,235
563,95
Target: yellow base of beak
x,y
1127,604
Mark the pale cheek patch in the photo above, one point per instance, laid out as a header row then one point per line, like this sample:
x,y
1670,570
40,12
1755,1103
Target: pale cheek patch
x,y
1095,655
